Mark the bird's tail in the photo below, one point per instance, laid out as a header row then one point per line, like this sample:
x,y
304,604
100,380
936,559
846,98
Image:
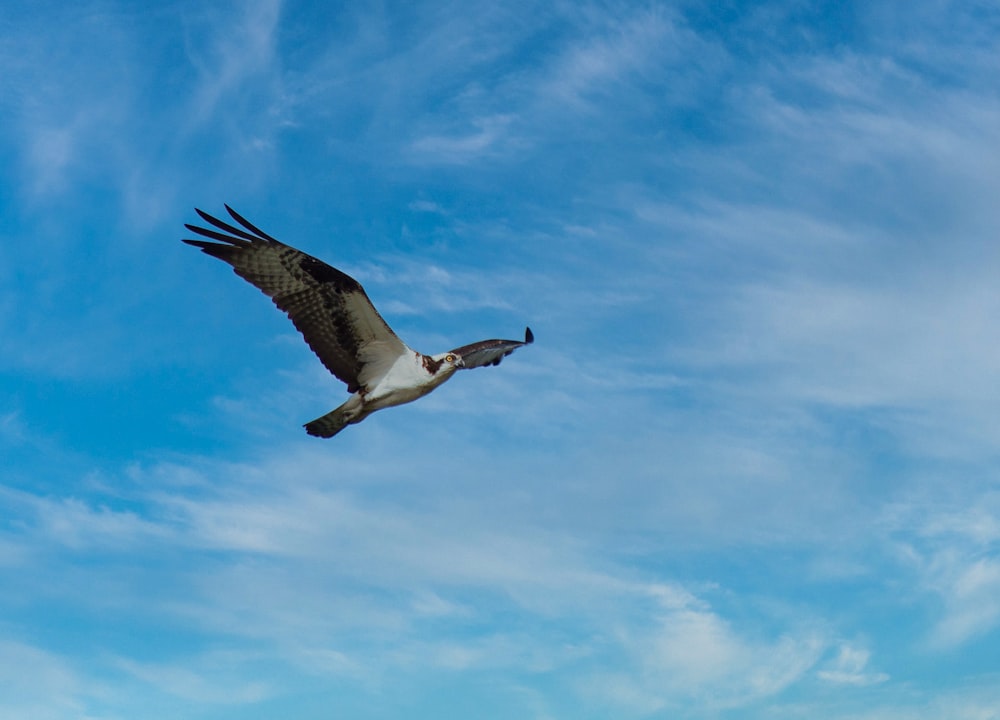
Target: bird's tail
x,y
336,420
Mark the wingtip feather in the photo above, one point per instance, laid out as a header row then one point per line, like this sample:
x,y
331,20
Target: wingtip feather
x,y
529,337
249,225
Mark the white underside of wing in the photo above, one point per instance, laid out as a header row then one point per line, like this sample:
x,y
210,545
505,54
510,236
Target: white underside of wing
x,y
369,324
379,358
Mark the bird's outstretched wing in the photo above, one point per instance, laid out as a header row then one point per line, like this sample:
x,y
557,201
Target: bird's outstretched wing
x,y
329,307
491,352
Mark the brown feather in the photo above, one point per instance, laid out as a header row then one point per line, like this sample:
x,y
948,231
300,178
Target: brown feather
x,y
491,352
329,307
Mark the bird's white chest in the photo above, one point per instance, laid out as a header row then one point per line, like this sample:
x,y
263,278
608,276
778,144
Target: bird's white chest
x,y
405,381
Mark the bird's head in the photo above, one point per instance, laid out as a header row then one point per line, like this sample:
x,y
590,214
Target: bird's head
x,y
442,365
447,362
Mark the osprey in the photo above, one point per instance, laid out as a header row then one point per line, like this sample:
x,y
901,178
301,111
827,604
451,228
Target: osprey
x,y
340,324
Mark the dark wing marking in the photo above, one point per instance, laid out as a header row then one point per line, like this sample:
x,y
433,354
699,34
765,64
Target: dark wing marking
x,y
329,307
491,352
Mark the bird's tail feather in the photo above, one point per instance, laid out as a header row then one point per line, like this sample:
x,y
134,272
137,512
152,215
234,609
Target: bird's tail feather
x,y
334,421
328,425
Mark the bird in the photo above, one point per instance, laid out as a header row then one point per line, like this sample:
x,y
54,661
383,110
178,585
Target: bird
x,y
339,323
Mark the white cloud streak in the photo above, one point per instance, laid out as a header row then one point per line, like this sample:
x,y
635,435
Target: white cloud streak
x,y
312,572
39,684
690,652
850,667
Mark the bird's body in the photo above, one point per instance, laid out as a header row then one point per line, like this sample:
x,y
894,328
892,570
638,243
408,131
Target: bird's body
x,y
340,324
406,380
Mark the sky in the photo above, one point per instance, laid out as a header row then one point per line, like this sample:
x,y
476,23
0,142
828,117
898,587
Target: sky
x,y
749,468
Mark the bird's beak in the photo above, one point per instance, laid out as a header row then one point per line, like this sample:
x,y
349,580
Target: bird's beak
x,y
460,363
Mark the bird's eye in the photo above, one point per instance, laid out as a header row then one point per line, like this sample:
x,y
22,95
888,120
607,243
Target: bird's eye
x,y
450,358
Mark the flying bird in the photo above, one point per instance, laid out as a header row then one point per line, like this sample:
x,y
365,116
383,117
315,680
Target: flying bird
x,y
340,324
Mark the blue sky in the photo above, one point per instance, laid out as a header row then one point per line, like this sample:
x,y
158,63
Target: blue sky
x,y
749,469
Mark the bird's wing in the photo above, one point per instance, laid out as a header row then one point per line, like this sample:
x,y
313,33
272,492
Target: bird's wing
x,y
329,307
491,352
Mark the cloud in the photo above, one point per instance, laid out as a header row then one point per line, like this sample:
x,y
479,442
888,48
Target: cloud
x,y
691,653
973,599
268,560
233,55
78,525
608,53
12,430
213,678
967,581
975,699
424,287
426,206
489,134
951,545
850,667
40,684
831,282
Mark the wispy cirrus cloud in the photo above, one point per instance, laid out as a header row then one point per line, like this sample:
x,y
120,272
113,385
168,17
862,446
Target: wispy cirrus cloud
x,y
487,137
691,652
233,59
850,667
628,50
952,547
42,684
214,678
313,547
